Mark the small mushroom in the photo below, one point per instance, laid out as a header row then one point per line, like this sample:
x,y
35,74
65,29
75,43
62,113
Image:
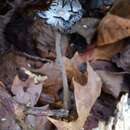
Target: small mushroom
x,y
62,13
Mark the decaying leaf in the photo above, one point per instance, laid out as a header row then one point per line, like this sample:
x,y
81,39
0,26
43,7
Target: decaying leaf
x,y
121,8
86,27
53,83
75,70
122,59
6,118
104,52
23,109
26,92
112,82
11,113
45,36
38,121
85,97
121,120
104,65
112,29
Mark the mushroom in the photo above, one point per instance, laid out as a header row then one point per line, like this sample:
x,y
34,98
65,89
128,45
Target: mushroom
x,y
62,14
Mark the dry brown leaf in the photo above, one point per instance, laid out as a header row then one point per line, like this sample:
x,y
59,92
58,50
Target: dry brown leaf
x,y
103,52
45,36
73,69
86,27
122,59
6,109
26,92
112,29
112,82
11,113
54,80
121,8
107,52
85,97
104,65
120,120
38,122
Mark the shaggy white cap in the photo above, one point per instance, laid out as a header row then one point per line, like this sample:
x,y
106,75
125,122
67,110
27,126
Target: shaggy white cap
x,y
62,16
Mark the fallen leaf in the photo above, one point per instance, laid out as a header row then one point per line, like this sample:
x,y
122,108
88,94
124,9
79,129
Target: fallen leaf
x,y
73,69
86,27
112,82
111,29
2,45
104,52
85,97
103,109
53,83
39,121
104,65
11,113
120,120
121,8
8,69
26,92
45,36
122,59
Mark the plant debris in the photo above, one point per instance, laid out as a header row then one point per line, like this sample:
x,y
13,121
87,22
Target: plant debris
x,y
68,69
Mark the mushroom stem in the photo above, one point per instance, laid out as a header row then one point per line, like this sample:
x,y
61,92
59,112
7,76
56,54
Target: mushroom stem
x,y
62,67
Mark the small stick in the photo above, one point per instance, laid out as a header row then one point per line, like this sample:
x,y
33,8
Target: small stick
x,y
40,111
64,76
31,57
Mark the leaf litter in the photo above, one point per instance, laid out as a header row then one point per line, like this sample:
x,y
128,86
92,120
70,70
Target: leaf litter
x,y
96,59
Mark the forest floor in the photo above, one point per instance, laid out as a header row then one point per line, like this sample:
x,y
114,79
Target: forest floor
x,y
88,90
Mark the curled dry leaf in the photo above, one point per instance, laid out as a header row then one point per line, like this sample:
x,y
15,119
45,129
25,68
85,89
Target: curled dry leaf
x,y
26,92
85,97
112,29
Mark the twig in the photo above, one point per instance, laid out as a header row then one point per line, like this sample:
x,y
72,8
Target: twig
x,y
36,58
64,76
40,111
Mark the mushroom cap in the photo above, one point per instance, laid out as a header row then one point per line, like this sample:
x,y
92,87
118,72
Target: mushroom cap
x,y
62,16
